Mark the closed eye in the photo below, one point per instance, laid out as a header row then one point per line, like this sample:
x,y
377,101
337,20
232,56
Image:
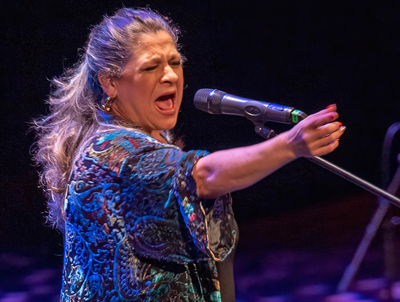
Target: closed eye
x,y
151,68
175,63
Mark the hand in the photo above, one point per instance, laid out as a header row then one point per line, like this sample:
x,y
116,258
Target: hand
x,y
316,135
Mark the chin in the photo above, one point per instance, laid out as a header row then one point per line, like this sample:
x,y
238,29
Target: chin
x,y
168,125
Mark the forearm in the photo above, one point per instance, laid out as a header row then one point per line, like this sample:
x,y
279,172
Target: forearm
x,y
231,170
234,169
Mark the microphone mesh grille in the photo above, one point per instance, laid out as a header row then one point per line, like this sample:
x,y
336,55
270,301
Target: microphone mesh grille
x,y
200,99
209,100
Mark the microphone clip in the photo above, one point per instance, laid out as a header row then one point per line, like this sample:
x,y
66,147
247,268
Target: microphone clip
x,y
264,132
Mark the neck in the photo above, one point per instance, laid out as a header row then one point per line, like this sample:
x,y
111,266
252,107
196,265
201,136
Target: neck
x,y
156,134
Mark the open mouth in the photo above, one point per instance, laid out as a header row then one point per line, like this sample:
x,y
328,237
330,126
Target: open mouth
x,y
166,102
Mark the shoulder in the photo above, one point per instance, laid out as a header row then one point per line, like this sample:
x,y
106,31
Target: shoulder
x,y
127,139
113,146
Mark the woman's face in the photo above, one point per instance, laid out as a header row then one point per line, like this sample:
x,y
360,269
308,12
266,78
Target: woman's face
x,y
149,92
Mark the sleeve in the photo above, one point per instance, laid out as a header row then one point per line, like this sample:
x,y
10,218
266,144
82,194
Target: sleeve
x,y
211,223
158,182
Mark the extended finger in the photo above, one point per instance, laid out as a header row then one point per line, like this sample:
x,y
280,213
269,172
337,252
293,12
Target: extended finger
x,y
322,131
327,129
322,118
332,137
330,108
326,148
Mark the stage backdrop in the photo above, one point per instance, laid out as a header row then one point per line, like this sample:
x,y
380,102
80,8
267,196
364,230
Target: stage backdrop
x,y
305,54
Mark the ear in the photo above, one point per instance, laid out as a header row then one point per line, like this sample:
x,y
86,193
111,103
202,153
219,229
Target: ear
x,y
108,85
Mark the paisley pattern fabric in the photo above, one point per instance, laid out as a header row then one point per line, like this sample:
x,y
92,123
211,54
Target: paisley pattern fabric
x,y
136,229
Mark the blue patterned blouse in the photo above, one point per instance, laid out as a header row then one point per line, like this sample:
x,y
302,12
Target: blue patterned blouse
x,y
135,228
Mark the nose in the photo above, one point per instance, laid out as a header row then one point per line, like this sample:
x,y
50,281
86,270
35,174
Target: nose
x,y
169,75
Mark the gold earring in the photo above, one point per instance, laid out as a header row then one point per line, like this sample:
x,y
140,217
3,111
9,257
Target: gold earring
x,y
107,106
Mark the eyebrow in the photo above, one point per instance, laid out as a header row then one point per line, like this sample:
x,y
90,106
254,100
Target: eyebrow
x,y
155,58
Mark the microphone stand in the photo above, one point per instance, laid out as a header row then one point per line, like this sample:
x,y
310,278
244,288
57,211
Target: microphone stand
x,y
384,199
268,133
356,180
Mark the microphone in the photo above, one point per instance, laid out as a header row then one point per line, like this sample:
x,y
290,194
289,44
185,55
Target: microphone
x,y
215,101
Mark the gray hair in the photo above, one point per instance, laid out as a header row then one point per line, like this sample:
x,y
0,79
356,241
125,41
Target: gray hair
x,y
77,97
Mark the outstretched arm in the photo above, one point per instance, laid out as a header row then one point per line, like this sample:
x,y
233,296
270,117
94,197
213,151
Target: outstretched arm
x,y
234,169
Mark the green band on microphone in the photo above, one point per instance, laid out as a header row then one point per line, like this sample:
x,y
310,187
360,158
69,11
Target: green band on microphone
x,y
295,116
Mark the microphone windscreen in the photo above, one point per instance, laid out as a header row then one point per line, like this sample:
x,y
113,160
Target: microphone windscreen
x,y
209,100
200,99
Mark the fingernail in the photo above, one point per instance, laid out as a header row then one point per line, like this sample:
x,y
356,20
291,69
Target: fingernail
x,y
329,106
340,125
342,128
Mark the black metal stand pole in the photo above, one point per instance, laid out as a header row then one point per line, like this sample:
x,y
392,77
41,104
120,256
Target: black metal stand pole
x,y
356,180
384,199
268,133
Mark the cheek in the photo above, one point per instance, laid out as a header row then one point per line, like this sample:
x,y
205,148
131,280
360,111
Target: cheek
x,y
180,92
180,81
180,74
141,94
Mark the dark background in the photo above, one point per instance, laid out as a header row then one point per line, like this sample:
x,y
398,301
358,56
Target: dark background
x,y
305,54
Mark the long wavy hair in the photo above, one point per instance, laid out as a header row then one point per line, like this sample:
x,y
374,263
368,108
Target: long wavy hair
x,y
76,97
